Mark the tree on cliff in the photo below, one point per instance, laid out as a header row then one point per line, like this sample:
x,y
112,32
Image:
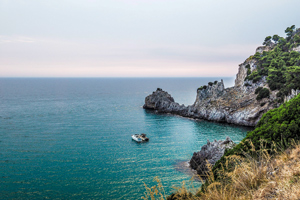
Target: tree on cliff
x,y
267,41
289,31
275,38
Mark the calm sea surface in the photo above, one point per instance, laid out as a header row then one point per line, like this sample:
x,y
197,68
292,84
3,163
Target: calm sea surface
x,y
71,138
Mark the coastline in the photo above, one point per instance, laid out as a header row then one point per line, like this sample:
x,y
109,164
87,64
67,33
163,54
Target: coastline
x,y
185,168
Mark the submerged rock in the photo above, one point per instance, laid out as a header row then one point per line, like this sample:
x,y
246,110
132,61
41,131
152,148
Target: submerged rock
x,y
209,155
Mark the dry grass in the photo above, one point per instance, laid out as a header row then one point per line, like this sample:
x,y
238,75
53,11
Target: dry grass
x,y
155,192
254,177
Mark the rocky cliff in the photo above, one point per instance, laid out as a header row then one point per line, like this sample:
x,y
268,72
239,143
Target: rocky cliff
x,y
236,105
209,155
264,81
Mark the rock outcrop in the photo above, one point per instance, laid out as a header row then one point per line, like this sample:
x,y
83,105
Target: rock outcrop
x,y
261,49
291,95
236,105
297,49
242,72
209,155
163,102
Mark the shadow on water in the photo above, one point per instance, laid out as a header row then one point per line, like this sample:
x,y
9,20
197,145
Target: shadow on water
x,y
183,166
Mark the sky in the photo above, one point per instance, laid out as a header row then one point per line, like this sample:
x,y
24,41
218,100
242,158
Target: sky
x,y
136,38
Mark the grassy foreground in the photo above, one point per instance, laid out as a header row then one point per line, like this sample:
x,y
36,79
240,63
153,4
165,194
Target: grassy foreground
x,y
261,177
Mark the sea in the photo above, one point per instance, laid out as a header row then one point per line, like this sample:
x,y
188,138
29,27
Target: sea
x,y
70,138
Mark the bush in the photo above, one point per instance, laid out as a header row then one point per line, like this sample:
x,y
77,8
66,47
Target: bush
x,y
257,55
215,82
279,94
263,93
262,104
258,89
256,78
279,124
202,88
252,75
210,83
247,84
248,72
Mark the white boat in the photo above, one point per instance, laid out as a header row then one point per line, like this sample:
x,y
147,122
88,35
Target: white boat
x,y
140,138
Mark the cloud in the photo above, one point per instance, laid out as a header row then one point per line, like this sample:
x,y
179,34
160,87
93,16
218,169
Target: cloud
x,y
15,39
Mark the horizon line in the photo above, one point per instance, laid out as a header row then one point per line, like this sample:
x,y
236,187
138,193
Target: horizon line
x,y
118,77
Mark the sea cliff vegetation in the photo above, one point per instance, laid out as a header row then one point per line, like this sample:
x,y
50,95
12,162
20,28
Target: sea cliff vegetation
x,y
266,163
280,63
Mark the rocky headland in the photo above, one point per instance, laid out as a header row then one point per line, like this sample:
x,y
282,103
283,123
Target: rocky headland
x,y
236,105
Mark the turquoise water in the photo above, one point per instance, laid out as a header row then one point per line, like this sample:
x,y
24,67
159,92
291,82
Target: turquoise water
x,y
71,138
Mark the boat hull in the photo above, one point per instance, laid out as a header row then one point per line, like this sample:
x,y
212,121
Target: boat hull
x,y
139,138
135,138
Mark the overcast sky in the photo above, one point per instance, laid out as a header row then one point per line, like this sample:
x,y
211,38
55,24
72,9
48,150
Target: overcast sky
x,y
136,38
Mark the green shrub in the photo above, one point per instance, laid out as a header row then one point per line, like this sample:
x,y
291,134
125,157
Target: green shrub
x,y
258,89
262,104
279,94
263,93
256,79
257,55
248,72
247,84
210,83
215,82
202,88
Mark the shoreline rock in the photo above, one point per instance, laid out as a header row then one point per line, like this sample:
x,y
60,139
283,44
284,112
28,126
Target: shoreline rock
x,y
215,103
209,155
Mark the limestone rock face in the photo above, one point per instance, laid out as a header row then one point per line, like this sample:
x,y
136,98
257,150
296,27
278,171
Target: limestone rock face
x,y
242,72
241,75
157,99
297,49
209,155
236,105
263,48
291,95
212,91
163,102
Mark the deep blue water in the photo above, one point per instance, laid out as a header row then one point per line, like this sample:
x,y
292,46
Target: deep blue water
x,y
64,138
